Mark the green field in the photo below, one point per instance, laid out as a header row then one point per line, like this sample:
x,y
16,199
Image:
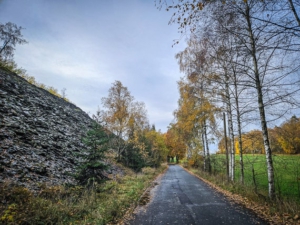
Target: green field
x,y
286,169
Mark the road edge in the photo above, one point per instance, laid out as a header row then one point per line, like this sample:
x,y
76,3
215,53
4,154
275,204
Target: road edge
x,y
254,207
140,203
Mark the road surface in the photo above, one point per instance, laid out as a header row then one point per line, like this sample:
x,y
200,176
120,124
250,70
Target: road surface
x,y
181,198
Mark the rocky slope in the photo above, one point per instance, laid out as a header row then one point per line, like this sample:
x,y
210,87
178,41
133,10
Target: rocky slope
x,y
40,134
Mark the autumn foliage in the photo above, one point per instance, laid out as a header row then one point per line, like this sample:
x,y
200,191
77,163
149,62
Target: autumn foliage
x,y
287,136
285,139
133,141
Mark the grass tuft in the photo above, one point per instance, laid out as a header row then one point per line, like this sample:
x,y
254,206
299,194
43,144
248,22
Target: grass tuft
x,y
102,204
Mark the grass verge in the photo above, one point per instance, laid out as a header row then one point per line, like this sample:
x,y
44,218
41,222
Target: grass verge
x,y
102,204
286,171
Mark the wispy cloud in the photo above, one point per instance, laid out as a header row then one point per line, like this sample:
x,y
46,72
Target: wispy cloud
x,y
84,46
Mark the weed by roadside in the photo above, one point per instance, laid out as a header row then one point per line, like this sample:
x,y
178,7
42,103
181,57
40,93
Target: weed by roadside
x,y
103,203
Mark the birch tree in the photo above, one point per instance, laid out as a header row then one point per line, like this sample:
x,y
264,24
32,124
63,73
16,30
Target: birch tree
x,y
122,116
10,36
195,62
194,117
265,42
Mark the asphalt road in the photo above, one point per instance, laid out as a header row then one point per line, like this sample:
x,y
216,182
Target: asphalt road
x,y
181,198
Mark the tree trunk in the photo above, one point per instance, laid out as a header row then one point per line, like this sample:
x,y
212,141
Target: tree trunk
x,y
238,115
230,130
4,46
294,11
204,152
271,182
226,147
207,149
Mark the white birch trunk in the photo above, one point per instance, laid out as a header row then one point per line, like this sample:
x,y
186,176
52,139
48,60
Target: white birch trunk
x,y
204,151
226,147
230,131
258,85
239,130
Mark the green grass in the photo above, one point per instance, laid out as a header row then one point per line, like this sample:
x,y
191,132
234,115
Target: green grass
x,y
104,203
286,170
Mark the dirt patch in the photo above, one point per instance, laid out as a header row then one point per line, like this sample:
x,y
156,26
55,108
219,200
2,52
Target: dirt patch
x,y
147,196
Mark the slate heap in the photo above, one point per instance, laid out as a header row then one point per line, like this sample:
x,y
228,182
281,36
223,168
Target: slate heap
x,y
40,134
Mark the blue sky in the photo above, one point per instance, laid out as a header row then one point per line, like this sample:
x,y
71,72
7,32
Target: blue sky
x,y
85,45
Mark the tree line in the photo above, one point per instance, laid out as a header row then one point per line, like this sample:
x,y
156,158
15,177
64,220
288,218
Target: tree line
x,y
284,139
134,142
241,65
122,131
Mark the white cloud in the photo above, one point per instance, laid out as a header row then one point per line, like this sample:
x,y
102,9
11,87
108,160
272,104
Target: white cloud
x,y
86,46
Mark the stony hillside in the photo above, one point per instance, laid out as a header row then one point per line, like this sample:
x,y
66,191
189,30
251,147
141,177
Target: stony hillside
x,y
40,134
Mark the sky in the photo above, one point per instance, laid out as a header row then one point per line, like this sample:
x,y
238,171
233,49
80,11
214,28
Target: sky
x,y
86,45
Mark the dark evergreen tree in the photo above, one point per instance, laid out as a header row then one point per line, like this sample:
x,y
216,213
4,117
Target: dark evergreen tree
x,y
91,166
132,158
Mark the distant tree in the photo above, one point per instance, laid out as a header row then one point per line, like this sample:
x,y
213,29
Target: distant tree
x,y
222,145
153,127
10,36
63,93
253,142
157,147
289,135
274,140
175,143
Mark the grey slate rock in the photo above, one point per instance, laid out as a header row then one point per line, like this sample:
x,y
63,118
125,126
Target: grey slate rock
x,y
39,134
